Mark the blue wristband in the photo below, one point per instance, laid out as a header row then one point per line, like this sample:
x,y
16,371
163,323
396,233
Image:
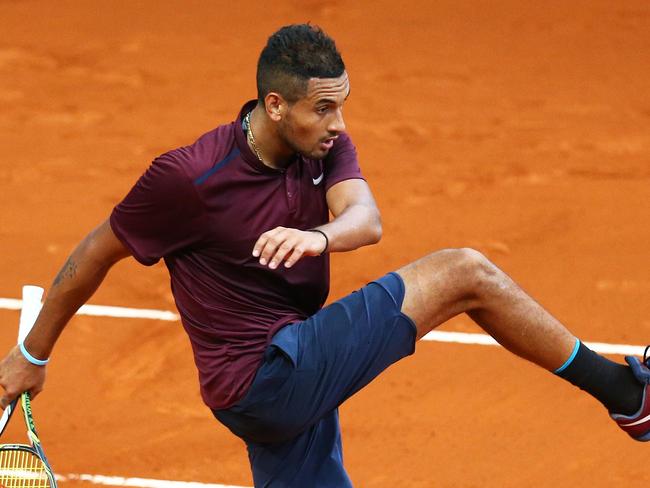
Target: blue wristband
x,y
30,358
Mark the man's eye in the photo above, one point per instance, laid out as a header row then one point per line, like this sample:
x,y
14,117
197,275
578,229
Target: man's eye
x,y
321,110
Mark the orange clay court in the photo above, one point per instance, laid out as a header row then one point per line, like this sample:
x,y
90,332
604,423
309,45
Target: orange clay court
x,y
521,129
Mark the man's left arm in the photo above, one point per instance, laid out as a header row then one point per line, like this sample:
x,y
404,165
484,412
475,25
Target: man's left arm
x,y
356,220
356,223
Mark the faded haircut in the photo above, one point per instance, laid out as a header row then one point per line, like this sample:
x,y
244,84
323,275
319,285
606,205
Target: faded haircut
x,y
292,56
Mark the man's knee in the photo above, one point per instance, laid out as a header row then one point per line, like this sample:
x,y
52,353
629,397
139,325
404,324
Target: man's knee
x,y
480,272
470,269
445,284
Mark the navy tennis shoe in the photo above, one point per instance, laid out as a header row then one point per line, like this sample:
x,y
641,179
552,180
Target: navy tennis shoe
x,y
638,424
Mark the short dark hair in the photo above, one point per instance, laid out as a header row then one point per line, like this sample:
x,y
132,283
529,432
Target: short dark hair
x,y
292,56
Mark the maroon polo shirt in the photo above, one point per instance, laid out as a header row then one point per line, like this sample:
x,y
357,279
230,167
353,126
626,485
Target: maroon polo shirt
x,y
201,208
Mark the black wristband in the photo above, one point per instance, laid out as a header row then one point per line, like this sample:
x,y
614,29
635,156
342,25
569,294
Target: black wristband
x,y
327,241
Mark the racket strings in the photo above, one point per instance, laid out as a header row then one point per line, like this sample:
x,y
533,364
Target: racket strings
x,y
22,469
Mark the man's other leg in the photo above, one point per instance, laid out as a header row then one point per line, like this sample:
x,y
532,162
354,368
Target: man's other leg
x,y
449,282
312,459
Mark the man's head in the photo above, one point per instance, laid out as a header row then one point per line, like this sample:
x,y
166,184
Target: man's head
x,y
302,85
292,56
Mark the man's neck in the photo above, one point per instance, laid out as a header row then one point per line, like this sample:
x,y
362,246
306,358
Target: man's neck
x,y
265,141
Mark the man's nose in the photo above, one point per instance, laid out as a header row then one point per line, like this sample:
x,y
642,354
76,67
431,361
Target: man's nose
x,y
337,124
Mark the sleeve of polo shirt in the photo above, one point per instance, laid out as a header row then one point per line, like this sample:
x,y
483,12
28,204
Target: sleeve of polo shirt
x,y
161,214
341,163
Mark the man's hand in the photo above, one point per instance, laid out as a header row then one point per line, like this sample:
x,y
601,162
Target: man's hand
x,y
288,245
18,375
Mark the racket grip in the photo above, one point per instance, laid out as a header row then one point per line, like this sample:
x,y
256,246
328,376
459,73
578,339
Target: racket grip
x,y
32,296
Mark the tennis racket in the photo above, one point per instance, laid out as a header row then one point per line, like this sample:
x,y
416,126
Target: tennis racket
x,y
23,465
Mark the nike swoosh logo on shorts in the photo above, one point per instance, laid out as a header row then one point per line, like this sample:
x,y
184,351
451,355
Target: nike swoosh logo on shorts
x,y
317,180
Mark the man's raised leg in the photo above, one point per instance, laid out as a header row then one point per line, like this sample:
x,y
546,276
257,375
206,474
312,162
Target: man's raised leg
x,y
449,282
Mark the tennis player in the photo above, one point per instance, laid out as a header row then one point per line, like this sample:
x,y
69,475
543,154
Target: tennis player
x,y
242,219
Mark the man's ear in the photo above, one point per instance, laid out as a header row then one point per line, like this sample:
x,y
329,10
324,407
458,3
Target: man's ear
x,y
275,106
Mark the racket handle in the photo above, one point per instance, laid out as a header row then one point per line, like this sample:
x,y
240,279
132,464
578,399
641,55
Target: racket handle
x,y
6,415
32,296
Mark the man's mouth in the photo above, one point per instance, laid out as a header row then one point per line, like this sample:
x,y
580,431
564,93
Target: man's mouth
x,y
327,143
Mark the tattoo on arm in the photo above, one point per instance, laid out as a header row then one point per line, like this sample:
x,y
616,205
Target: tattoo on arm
x,y
69,270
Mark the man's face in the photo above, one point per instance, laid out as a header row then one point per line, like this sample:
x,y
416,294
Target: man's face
x,y
311,124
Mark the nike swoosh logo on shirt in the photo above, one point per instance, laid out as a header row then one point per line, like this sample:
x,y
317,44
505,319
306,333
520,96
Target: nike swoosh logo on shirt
x,y
317,180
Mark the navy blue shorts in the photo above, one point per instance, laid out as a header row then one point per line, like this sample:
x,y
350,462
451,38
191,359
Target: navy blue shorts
x,y
289,417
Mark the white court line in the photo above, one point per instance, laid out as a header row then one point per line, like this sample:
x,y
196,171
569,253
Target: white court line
x,y
105,311
98,479
486,340
436,335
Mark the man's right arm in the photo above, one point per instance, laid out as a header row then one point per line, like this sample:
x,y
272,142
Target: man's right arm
x,y
75,283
